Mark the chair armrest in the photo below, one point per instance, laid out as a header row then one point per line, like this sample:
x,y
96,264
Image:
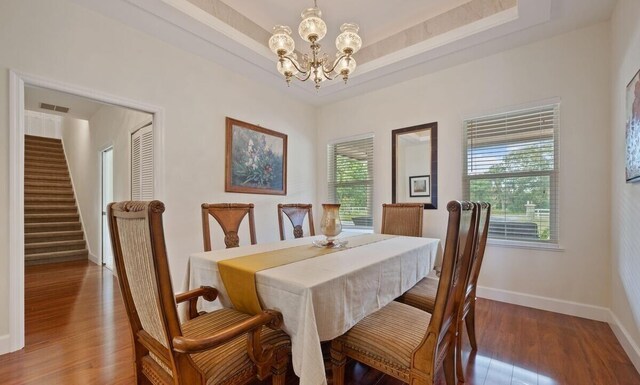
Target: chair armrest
x,y
207,292
270,318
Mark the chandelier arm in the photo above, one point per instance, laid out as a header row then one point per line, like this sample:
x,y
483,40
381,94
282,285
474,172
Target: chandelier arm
x,y
294,64
326,74
305,77
337,62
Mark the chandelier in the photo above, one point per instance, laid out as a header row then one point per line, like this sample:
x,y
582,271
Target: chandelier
x,y
315,65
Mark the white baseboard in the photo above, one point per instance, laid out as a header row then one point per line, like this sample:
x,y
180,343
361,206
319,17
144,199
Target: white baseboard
x,y
628,344
5,344
577,309
94,259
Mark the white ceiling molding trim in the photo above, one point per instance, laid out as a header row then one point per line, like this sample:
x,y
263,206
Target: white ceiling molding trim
x,y
184,24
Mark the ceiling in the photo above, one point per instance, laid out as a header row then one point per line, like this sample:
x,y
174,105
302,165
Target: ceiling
x,y
79,107
402,39
372,16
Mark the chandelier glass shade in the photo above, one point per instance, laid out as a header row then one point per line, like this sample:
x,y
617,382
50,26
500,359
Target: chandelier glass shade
x,y
315,65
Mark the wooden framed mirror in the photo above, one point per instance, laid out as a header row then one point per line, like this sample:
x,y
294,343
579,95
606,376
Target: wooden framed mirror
x,y
414,165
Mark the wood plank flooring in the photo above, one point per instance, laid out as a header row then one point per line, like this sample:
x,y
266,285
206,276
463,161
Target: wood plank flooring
x,y
77,333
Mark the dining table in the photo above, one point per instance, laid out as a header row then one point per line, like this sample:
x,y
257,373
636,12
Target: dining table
x,y
322,297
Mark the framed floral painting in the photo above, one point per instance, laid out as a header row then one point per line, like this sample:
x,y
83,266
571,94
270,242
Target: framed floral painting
x,y
256,159
633,130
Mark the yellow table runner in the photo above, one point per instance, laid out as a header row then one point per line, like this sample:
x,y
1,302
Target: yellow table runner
x,y
239,274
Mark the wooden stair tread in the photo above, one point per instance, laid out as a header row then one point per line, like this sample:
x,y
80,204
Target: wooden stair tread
x,y
28,146
34,225
53,160
57,256
58,178
51,227
47,184
31,237
37,170
36,138
55,246
35,191
51,217
41,199
44,164
49,208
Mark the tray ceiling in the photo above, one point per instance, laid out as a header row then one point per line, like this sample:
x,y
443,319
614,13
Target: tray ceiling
x,y
402,38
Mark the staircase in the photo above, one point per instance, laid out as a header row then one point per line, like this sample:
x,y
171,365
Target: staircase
x,y
52,228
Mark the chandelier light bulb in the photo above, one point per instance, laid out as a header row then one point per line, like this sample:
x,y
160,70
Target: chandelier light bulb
x,y
344,65
349,42
281,43
312,28
286,66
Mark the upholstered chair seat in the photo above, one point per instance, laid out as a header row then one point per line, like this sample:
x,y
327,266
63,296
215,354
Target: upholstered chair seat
x,y
228,362
389,335
423,294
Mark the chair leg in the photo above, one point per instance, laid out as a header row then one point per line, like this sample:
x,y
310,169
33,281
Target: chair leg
x,y
449,366
470,320
459,371
279,368
338,361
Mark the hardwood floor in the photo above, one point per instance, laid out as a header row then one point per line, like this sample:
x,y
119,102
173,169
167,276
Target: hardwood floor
x,y
77,333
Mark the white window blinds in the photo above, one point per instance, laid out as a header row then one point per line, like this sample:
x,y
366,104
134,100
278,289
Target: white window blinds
x,y
511,161
142,164
350,179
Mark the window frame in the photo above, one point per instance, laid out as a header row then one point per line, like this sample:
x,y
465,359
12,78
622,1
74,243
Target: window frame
x,y
554,182
370,183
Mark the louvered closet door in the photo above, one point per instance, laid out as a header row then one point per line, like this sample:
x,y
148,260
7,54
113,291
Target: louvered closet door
x,y
142,164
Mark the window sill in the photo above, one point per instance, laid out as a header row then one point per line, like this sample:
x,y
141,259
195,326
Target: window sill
x,y
357,231
525,245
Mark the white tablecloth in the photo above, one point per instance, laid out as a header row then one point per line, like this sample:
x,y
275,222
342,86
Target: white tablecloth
x,y
321,298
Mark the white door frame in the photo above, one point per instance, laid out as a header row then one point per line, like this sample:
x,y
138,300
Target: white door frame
x,y
17,82
102,229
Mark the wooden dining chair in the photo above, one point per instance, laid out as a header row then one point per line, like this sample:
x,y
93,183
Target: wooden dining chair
x,y
229,216
408,343
402,219
220,347
296,212
423,294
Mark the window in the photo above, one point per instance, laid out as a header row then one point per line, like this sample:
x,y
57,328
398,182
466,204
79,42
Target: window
x,y
142,163
511,161
350,177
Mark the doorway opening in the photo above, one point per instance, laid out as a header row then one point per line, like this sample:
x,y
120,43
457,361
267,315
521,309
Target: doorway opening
x,y
85,165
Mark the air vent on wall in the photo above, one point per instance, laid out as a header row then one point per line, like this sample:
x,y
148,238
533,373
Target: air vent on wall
x,y
51,107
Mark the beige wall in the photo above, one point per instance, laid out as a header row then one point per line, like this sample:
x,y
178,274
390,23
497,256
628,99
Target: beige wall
x,y
83,143
625,198
571,67
85,49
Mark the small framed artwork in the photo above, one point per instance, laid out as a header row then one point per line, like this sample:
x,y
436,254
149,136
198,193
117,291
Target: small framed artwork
x,y
256,159
420,186
633,130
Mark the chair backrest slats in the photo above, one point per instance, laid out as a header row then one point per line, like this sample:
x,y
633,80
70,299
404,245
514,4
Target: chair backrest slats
x,y
481,244
402,219
459,244
296,212
229,216
140,256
